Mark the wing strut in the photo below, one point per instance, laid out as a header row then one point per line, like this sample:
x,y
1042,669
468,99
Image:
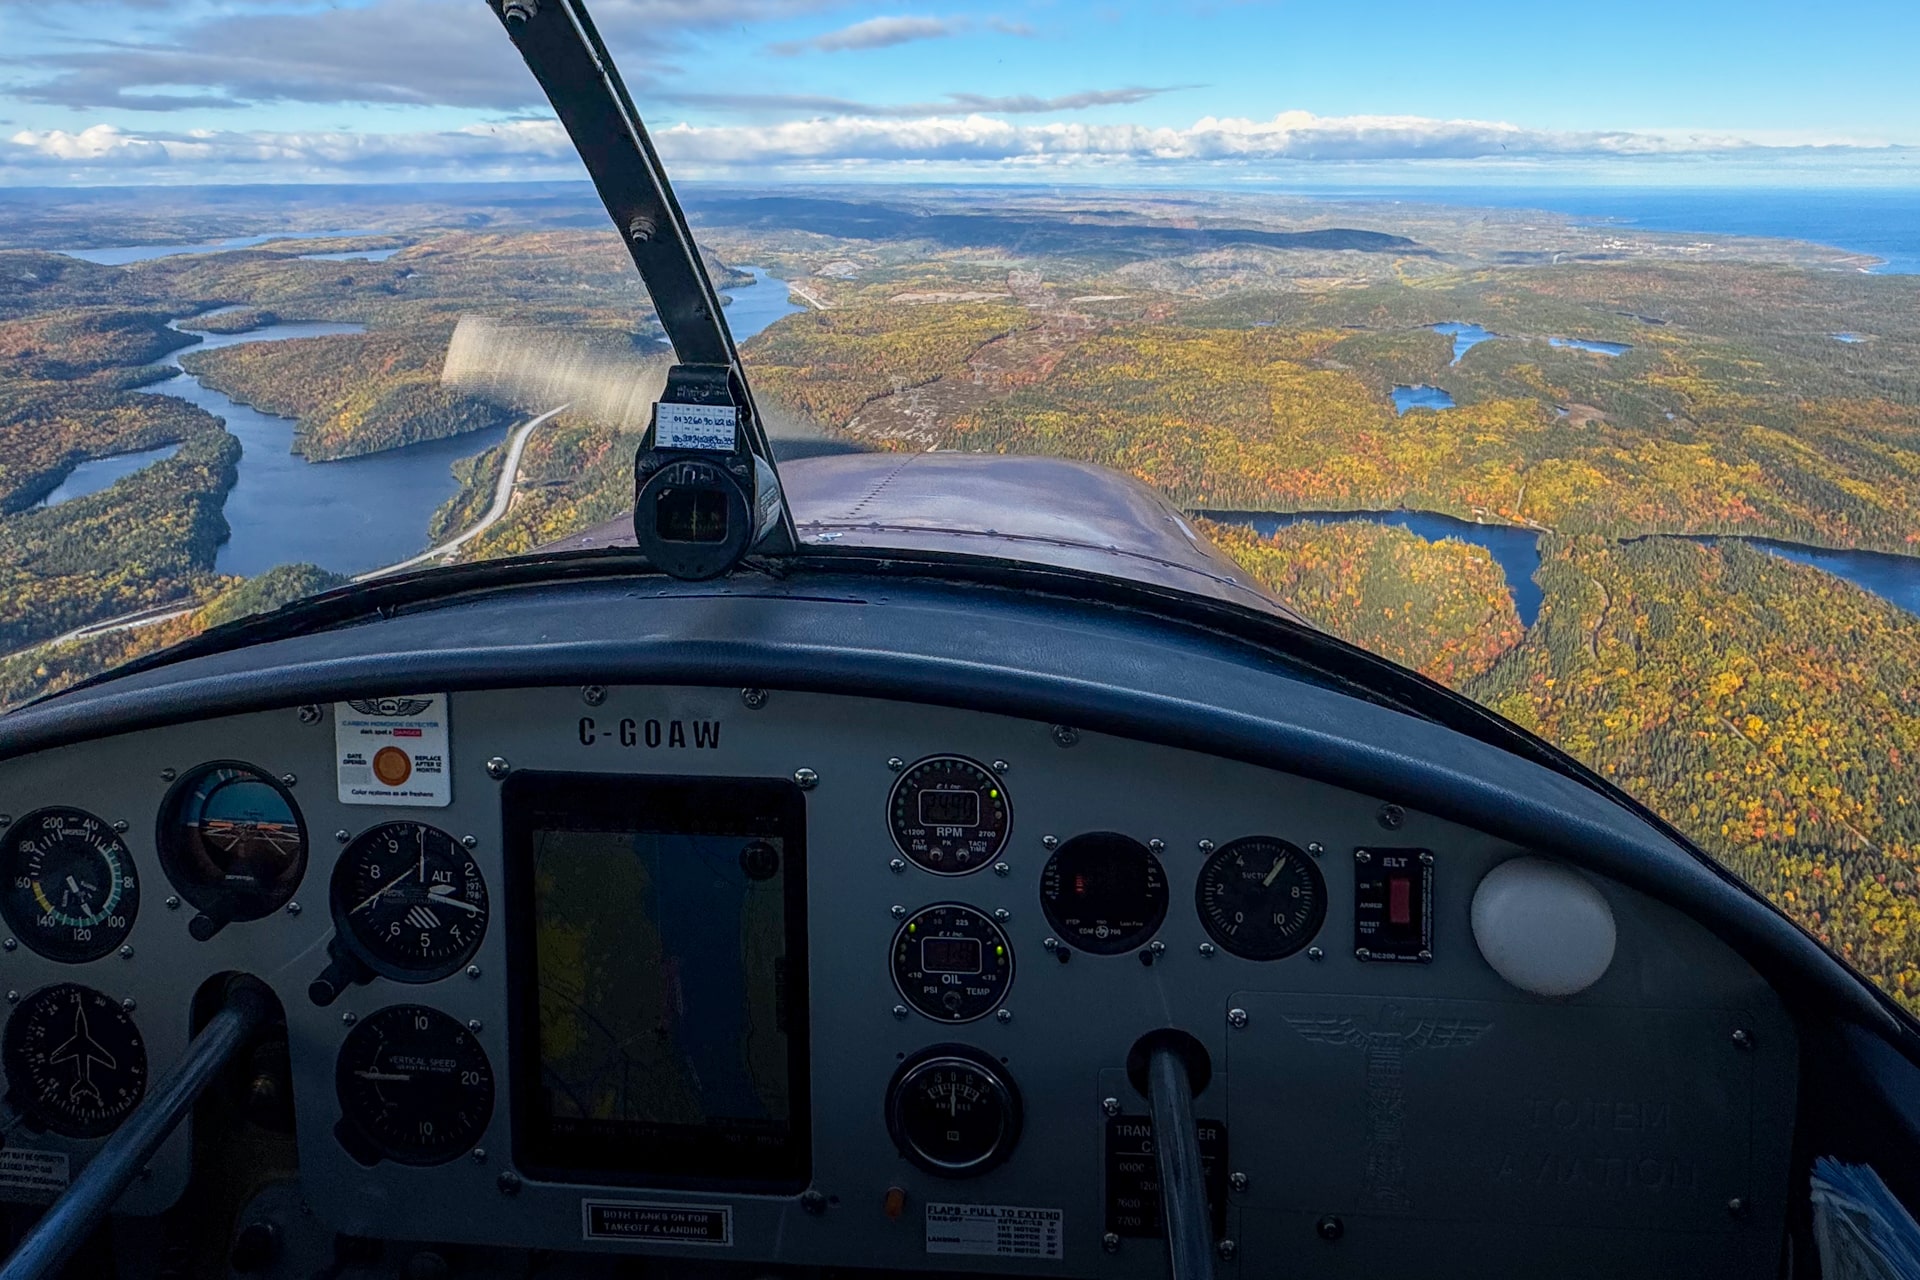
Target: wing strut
x,y
564,51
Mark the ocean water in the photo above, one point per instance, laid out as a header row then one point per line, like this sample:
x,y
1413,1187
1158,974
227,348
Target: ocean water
x,y
1882,222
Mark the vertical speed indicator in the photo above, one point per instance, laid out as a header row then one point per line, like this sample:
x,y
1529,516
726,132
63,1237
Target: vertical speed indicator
x,y
949,815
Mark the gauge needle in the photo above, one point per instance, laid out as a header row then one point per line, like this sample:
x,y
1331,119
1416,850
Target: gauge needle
x,y
383,1075
377,893
440,892
1274,874
73,887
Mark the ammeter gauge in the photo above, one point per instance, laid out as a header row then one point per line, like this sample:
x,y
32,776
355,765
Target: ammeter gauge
x,y
953,1111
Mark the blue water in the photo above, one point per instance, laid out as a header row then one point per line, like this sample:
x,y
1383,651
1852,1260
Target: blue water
x,y
1895,579
751,308
97,473
1515,550
1846,337
121,255
1465,337
350,255
1420,397
1881,222
1583,344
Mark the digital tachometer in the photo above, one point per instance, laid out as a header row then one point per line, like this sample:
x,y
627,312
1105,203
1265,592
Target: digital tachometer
x,y
949,815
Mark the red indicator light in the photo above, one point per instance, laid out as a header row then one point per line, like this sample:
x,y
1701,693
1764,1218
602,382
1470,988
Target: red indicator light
x,y
1080,886
1399,900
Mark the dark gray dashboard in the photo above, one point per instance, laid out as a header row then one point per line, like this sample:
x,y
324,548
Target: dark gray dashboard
x,y
1363,1112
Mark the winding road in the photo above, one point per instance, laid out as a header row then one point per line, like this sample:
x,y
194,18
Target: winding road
x,y
502,501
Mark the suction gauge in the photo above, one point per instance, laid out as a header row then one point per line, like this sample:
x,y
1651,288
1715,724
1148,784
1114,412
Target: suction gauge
x,y
949,815
1261,898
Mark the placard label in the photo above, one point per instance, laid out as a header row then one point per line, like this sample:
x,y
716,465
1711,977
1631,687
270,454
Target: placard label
x,y
41,1175
693,426
703,1224
995,1230
393,750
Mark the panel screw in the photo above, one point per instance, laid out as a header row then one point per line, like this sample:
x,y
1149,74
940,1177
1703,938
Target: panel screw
x,y
1426,858
1426,957
13,997
293,908
1002,869
349,1018
753,699
1392,817
1049,842
640,227
128,1004
1361,953
289,780
473,1024
1110,1242
1227,1249
1157,845
120,825
900,1012
1737,1207
1238,1181
1050,944
1315,848
498,768
1206,948
806,779
6,819
1315,953
813,1202
1001,766
473,971
10,944
1362,857
469,841
897,866
168,775
343,835
1110,1105
1005,1015
1002,914
1206,846
508,1182
593,694
1158,947
173,903
1236,1018
1330,1228
479,1155
1065,735
897,911
895,763
1741,1039
309,714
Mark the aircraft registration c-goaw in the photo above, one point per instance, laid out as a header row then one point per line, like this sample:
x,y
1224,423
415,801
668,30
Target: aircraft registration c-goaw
x,y
892,864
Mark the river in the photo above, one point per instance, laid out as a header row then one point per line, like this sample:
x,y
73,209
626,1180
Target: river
x,y
1895,579
355,514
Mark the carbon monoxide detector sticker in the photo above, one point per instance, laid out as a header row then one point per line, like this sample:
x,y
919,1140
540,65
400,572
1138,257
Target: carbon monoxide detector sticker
x,y
393,750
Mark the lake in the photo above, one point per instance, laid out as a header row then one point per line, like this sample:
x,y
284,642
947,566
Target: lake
x,y
355,514
1420,397
1465,337
1598,348
1895,579
121,255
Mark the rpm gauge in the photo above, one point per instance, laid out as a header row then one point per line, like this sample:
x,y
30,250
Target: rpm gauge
x,y
1261,898
410,900
949,815
75,1062
233,843
70,892
414,1086
1104,892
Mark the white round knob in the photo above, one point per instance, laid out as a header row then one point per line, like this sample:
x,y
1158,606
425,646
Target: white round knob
x,y
1543,927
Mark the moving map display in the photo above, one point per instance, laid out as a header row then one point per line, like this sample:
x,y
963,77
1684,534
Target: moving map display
x,y
663,1037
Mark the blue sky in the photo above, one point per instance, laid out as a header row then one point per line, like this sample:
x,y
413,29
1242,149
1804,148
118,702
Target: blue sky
x,y
1181,90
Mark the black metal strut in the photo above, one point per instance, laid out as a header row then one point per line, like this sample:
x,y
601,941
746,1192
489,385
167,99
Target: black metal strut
x,y
564,51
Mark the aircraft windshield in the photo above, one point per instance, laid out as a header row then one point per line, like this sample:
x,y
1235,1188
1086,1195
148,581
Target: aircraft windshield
x,y
1610,425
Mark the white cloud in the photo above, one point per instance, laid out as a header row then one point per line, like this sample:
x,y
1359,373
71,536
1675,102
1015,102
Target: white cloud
x,y
533,148
874,33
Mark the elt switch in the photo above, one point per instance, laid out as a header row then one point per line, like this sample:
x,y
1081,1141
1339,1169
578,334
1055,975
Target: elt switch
x,y
1393,905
